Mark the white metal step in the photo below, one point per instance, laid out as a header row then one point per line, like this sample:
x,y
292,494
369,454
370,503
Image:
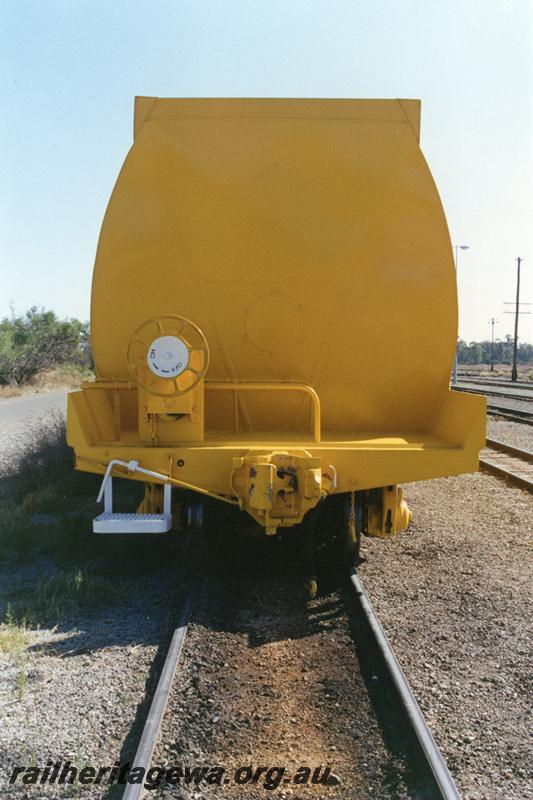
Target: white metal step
x,y
110,522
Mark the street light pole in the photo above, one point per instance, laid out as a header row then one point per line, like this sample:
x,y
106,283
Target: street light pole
x,y
492,322
456,249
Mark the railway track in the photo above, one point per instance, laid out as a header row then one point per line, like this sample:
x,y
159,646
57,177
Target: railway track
x,y
496,382
437,782
525,417
444,783
511,463
152,726
491,391
512,414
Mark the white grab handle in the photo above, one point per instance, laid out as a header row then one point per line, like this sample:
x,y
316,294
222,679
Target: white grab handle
x,y
131,466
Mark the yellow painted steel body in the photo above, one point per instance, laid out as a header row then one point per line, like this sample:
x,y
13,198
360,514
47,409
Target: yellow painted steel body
x,y
307,241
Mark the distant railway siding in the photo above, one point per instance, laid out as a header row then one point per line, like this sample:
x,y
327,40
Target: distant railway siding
x,y
505,382
519,399
509,391
512,433
508,462
512,414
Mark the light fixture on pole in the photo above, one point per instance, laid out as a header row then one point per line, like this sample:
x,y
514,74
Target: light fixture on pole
x,y
456,249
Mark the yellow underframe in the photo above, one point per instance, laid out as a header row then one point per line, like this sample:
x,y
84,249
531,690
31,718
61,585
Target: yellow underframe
x,y
368,460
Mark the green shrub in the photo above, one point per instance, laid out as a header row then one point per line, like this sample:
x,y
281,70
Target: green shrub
x,y
38,341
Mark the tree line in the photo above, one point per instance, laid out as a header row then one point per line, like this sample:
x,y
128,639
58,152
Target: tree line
x,y
480,352
38,341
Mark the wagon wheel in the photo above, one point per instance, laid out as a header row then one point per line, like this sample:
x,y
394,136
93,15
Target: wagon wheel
x,y
352,546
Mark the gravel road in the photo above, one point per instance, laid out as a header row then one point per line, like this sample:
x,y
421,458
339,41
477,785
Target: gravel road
x,y
19,413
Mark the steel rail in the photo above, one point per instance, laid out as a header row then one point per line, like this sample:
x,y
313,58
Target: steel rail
x,y
507,412
512,477
495,444
506,384
501,471
522,398
448,789
152,726
518,412
513,414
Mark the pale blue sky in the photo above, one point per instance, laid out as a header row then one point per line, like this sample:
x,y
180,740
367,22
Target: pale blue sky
x,y
69,71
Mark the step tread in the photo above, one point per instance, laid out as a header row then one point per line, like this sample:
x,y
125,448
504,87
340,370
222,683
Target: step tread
x,y
122,517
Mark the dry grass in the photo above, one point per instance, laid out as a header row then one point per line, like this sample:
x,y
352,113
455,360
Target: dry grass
x,y
66,593
7,392
53,380
13,636
14,639
44,504
46,507
525,371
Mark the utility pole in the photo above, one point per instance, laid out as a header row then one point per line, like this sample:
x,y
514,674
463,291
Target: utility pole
x,y
517,312
514,373
492,322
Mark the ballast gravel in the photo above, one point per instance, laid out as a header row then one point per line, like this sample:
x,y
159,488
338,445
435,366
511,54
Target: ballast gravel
x,y
271,688
512,433
454,595
76,691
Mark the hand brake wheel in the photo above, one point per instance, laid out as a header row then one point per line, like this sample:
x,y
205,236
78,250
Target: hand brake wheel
x,y
168,355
